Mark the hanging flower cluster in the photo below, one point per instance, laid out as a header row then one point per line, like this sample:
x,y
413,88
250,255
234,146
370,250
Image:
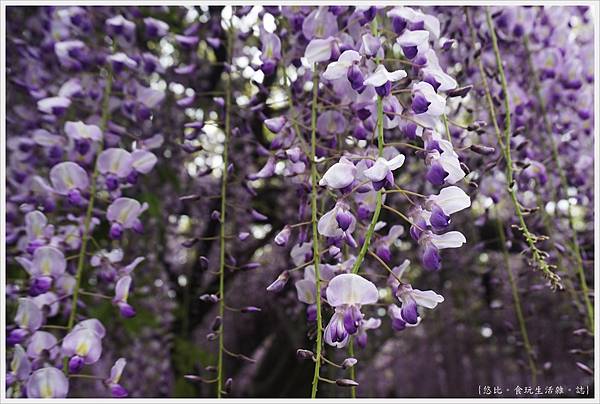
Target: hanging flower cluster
x,y
380,95
166,165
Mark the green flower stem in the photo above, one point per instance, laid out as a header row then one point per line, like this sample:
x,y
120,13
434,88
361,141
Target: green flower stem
x,y
504,143
353,368
222,235
564,185
315,233
517,302
380,143
89,213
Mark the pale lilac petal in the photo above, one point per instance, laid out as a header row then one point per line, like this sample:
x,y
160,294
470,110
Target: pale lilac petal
x,y
84,343
20,363
318,50
127,269
143,161
122,289
381,76
41,340
371,324
413,38
378,171
79,130
150,97
396,162
35,223
67,176
115,161
48,383
339,175
53,105
427,298
124,211
306,290
50,300
452,239
117,370
351,289
29,315
338,69
328,225
437,102
91,324
451,199
300,252
48,260
122,58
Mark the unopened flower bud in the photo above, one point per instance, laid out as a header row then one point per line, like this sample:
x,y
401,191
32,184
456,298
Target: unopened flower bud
x,y
483,150
349,362
282,238
460,91
304,354
250,266
209,298
250,309
216,325
279,283
346,383
228,384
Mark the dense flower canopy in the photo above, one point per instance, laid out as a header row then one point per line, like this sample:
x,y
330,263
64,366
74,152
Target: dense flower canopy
x,y
319,201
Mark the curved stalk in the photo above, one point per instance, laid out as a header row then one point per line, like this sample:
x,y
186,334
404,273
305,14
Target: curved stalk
x,y
517,303
222,235
564,185
504,143
90,209
315,233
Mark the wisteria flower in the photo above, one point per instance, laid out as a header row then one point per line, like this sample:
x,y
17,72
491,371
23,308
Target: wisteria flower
x,y
347,293
320,23
54,105
381,79
319,50
338,222
112,381
340,175
432,243
123,213
381,172
20,366
341,67
42,342
47,382
413,42
121,295
271,52
83,345
426,100
450,200
69,179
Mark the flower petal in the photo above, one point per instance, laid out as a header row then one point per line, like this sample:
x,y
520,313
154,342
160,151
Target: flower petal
x,y
452,199
351,289
452,239
427,298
